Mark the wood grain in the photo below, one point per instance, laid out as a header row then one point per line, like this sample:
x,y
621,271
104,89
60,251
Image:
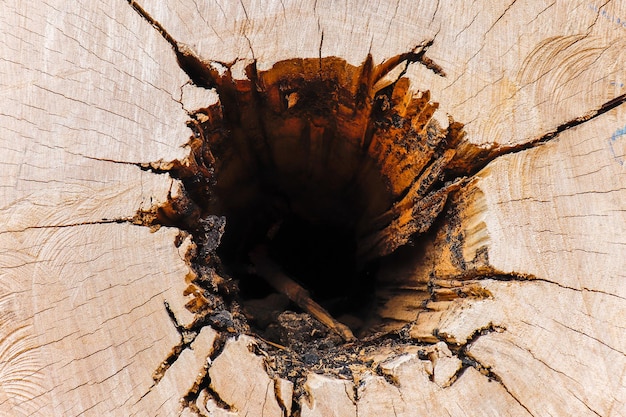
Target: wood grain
x,y
86,99
526,272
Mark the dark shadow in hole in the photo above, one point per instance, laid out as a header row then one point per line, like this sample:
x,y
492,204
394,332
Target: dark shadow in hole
x,y
320,257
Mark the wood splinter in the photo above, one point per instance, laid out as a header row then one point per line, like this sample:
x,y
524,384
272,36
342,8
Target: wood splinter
x,y
274,276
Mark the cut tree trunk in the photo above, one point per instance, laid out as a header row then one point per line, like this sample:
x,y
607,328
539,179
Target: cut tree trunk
x,y
513,304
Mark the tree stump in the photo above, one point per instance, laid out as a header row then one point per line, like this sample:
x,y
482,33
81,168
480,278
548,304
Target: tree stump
x,y
446,180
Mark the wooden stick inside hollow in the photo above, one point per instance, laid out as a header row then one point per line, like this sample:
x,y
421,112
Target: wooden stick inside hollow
x,y
274,276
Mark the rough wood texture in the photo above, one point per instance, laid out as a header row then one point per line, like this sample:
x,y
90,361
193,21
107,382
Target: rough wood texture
x,y
527,272
86,96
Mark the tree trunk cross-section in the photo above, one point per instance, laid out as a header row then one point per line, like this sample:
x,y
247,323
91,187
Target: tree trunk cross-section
x,y
513,304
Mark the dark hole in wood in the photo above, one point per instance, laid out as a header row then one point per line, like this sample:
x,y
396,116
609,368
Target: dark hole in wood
x,y
327,169
319,255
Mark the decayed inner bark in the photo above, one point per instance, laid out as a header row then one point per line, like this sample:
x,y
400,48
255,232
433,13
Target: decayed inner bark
x,y
328,165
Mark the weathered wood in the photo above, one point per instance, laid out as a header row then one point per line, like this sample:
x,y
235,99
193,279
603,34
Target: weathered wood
x,y
87,95
518,294
515,71
554,292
